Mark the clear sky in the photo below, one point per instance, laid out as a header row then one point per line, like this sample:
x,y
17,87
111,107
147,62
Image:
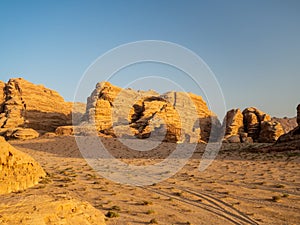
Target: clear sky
x,y
253,47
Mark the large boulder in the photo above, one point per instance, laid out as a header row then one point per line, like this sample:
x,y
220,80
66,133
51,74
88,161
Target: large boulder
x,y
64,130
45,210
32,106
18,170
24,134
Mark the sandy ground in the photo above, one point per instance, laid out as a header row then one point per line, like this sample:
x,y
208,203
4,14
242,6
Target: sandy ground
x,y
239,187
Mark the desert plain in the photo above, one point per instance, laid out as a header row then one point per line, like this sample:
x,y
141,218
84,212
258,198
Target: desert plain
x,y
241,186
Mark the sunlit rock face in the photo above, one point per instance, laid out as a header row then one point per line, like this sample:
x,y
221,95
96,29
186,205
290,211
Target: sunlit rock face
x,y
18,170
251,125
177,116
24,104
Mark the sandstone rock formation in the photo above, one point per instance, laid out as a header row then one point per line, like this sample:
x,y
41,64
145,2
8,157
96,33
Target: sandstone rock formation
x,y
64,130
22,134
252,121
293,135
18,170
234,123
298,115
270,131
287,124
45,210
32,106
251,125
2,96
143,114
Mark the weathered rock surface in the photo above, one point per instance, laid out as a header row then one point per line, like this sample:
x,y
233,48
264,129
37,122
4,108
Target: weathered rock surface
x,y
234,123
251,125
252,121
2,96
32,106
46,210
293,135
18,170
298,115
64,130
270,131
128,113
24,133
287,124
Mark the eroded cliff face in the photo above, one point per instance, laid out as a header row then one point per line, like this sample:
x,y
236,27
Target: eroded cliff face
x,y
24,104
128,113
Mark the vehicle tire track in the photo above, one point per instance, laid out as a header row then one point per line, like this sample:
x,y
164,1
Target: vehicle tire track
x,y
215,206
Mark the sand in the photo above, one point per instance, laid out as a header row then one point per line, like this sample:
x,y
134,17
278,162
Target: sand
x,y
239,187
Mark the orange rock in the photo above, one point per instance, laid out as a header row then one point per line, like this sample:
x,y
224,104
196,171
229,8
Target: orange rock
x,y
146,113
32,106
234,122
18,170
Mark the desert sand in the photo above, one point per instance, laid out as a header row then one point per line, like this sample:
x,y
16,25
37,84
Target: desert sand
x,y
241,186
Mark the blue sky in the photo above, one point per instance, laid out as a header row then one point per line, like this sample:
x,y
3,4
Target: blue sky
x,y
253,47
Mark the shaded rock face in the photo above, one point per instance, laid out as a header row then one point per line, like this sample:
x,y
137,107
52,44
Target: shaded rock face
x,y
270,131
128,113
251,125
43,210
252,121
2,96
32,106
287,124
298,115
293,135
18,170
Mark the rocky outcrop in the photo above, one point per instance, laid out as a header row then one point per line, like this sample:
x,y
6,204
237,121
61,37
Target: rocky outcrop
x,y
298,115
2,96
18,170
234,123
251,125
64,130
128,113
270,131
293,135
32,106
22,134
190,107
252,121
45,210
287,124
